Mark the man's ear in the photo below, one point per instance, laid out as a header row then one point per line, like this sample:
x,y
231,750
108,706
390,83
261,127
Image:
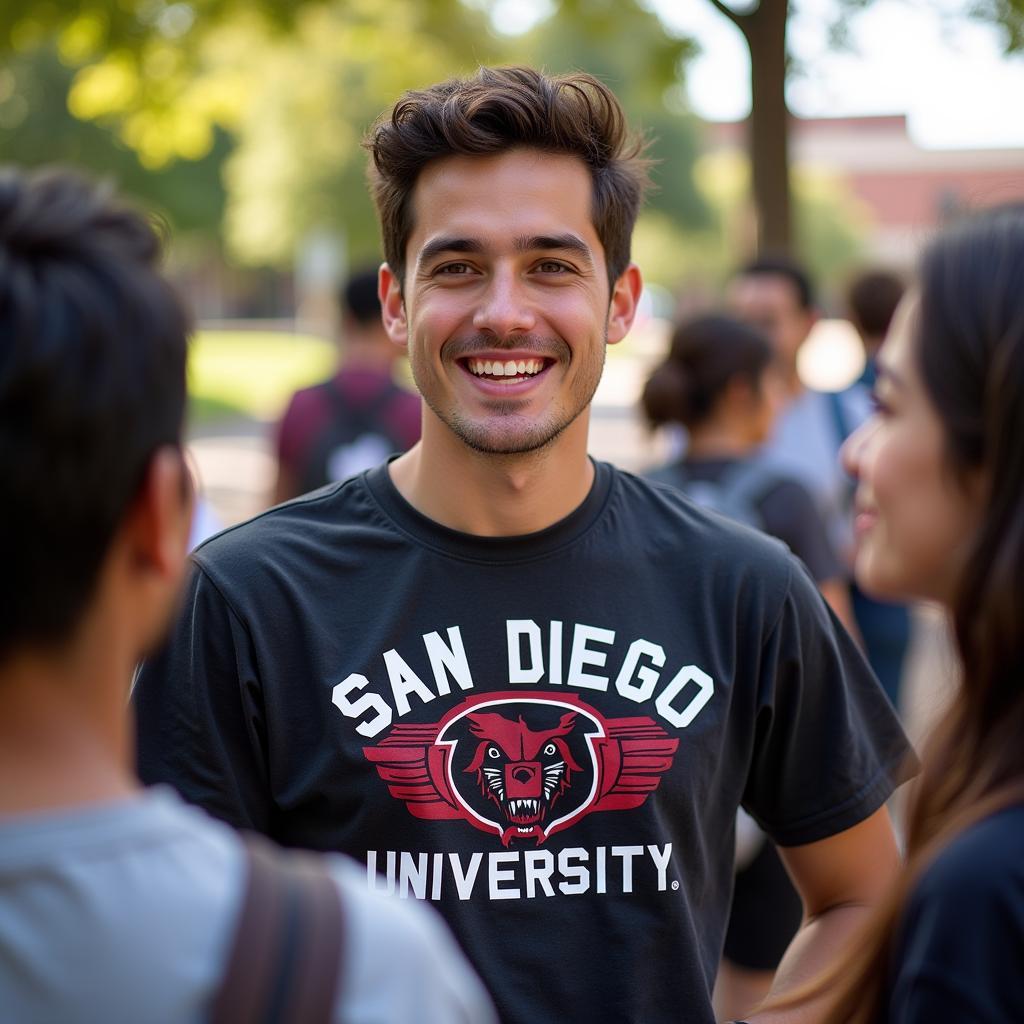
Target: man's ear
x,y
625,298
392,305
159,521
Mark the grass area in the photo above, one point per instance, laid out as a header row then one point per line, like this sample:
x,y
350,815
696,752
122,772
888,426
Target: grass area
x,y
251,373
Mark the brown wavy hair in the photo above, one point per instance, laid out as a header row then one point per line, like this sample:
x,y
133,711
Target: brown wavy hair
x,y
969,340
497,110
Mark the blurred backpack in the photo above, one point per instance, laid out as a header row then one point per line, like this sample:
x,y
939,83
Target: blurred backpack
x,y
735,494
357,437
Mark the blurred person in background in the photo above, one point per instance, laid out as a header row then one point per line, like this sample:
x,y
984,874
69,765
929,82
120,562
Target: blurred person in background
x,y
776,296
721,384
118,905
940,517
359,417
871,300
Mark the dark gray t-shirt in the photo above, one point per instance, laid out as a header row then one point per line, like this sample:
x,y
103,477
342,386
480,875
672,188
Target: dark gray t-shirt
x,y
546,736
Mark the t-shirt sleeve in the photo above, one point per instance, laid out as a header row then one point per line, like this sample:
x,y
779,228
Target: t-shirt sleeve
x,y
199,712
790,514
828,749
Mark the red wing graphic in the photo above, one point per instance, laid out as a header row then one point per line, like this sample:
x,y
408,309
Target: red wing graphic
x,y
521,799
636,755
401,761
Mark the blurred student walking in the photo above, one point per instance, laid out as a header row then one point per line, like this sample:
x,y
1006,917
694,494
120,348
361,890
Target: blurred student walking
x,y
118,905
940,516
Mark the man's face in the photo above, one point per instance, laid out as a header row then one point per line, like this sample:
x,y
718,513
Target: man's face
x,y
771,303
506,307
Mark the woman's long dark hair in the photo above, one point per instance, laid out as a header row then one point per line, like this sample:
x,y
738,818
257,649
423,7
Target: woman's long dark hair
x,y
969,342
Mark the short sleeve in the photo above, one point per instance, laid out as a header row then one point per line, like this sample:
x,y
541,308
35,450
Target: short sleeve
x,y
790,514
828,748
199,712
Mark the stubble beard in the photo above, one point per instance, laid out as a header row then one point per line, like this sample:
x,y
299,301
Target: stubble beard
x,y
505,432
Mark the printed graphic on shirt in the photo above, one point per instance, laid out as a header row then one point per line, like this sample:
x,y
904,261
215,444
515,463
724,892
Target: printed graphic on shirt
x,y
523,765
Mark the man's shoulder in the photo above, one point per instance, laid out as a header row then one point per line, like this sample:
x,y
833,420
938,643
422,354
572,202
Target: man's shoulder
x,y
300,526
661,513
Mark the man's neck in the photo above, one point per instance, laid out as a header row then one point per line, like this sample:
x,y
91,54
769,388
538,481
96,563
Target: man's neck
x,y
65,738
494,495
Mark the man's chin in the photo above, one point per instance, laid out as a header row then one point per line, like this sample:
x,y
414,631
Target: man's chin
x,y
506,438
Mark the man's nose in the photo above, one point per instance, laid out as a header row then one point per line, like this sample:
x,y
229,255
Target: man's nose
x,y
505,308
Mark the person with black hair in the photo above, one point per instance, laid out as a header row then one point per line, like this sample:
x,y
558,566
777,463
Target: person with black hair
x,y
357,418
720,382
940,517
119,905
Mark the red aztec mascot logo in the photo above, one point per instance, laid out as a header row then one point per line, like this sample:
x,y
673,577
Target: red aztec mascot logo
x,y
523,765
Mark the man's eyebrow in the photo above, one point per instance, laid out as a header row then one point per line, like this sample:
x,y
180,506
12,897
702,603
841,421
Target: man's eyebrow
x,y
437,246
566,243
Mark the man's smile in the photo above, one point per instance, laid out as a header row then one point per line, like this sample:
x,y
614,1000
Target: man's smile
x,y
504,371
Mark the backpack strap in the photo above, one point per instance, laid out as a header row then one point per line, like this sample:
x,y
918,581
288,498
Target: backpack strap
x,y
285,957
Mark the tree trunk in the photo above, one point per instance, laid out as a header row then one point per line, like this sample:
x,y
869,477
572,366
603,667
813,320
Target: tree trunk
x,y
765,32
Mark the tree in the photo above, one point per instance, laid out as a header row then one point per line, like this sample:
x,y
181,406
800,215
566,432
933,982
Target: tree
x,y
645,76
764,29
763,26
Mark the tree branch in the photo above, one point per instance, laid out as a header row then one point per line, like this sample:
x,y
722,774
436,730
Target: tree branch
x,y
736,19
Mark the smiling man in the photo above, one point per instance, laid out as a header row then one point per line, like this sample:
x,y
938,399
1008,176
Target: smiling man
x,y
514,682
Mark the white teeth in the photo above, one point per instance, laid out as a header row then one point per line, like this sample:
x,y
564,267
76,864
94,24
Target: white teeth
x,y
512,368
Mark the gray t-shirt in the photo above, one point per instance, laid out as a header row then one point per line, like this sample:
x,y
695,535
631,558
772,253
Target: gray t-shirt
x,y
126,912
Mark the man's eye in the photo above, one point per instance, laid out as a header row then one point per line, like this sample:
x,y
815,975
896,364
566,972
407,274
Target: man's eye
x,y
455,269
552,267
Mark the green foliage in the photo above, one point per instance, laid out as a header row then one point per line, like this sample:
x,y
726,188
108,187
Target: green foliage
x,y
646,76
247,117
299,163
37,128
